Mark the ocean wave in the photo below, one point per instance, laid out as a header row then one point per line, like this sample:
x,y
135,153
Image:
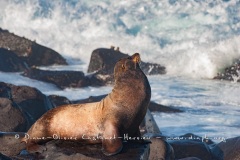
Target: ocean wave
x,y
191,38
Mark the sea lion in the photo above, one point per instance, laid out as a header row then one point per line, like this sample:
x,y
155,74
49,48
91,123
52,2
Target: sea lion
x,y
109,121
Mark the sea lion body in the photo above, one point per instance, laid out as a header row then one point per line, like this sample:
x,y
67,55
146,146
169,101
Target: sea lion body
x,y
119,113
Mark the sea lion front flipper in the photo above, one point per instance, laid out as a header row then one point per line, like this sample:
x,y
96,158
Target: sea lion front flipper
x,y
111,143
35,148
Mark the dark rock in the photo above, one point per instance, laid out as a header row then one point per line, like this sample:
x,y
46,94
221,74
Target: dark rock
x,y
61,150
3,157
31,52
10,62
43,56
193,137
5,90
217,153
19,45
11,143
11,118
103,60
154,107
30,101
230,148
61,79
190,158
100,78
152,68
149,125
159,148
189,148
231,73
58,100
90,99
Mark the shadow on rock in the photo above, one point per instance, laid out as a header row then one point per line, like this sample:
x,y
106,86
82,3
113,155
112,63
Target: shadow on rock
x,y
20,107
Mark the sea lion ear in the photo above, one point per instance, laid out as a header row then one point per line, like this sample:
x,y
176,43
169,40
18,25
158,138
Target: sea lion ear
x,y
136,58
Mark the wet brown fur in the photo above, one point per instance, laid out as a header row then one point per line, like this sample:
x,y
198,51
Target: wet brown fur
x,y
121,112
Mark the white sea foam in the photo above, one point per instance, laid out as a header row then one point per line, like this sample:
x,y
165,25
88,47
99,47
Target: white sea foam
x,y
17,79
191,38
210,108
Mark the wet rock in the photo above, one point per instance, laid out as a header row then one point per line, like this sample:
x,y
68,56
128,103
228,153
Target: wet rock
x,y
100,78
193,137
103,60
90,99
10,62
190,158
154,107
58,100
62,79
29,51
5,90
189,148
217,153
230,148
152,68
60,149
29,101
11,143
149,125
159,148
11,117
231,73
43,56
3,157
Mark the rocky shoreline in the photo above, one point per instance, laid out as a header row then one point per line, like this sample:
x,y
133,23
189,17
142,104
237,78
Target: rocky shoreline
x,y
231,73
21,106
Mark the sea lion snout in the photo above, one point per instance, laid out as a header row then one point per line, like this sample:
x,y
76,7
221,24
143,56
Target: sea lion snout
x,y
136,58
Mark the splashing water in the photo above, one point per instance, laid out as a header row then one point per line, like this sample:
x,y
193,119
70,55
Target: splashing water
x,y
191,38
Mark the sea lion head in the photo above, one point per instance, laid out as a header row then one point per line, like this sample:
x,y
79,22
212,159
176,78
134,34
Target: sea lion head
x,y
127,66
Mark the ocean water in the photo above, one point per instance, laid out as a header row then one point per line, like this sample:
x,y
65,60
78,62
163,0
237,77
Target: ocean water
x,y
194,39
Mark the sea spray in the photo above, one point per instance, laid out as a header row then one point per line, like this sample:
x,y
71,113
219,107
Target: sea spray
x,y
191,38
